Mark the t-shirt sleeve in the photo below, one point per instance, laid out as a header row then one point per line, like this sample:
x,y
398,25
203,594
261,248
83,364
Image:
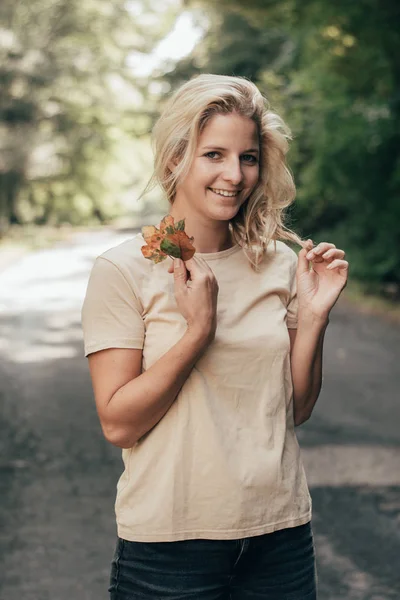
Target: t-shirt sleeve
x,y
292,307
111,312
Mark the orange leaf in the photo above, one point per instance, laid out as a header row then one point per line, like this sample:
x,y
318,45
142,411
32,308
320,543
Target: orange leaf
x,y
181,239
154,237
148,231
167,221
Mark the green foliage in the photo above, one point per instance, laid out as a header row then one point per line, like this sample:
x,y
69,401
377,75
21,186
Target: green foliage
x,y
73,119
332,69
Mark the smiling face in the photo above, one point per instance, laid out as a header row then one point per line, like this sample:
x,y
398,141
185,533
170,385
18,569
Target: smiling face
x,y
225,168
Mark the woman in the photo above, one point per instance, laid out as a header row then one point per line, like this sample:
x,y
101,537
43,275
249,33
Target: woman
x,y
202,369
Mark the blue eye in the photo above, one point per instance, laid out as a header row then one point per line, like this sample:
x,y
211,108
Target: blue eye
x,y
213,155
249,158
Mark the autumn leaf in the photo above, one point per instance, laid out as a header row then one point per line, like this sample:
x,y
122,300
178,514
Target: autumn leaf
x,y
148,231
168,240
167,222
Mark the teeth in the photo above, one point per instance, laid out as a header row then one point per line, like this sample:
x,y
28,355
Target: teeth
x,y
224,193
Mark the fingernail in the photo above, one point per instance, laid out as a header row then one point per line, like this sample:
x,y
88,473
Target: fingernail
x,y
177,262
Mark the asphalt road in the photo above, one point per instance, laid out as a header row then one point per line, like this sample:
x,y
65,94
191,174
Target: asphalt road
x,y
58,475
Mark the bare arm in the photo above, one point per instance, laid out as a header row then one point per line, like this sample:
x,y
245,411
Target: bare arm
x,y
318,289
130,403
306,366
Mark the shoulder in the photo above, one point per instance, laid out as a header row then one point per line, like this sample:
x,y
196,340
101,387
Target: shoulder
x,y
124,253
126,259
282,253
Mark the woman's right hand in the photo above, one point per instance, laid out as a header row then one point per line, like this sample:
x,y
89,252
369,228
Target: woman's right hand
x,y
196,295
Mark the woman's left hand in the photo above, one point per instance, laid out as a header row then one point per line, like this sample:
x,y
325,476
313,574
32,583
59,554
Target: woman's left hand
x,y
319,288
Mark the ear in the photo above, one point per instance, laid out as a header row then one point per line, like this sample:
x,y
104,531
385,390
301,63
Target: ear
x,y
173,164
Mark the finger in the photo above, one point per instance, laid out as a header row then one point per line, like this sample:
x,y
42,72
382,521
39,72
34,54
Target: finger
x,y
317,259
197,266
180,274
333,253
303,265
308,245
171,266
323,247
338,264
319,249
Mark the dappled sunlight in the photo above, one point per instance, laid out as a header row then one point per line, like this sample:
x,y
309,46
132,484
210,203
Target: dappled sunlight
x,y
338,465
41,298
40,353
35,337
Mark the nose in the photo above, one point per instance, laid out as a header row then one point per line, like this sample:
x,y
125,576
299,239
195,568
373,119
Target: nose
x,y
233,171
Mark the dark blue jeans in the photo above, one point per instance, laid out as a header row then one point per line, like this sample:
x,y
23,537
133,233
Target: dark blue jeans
x,y
274,566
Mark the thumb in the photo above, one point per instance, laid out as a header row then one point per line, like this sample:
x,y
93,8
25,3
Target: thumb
x,y
180,274
303,264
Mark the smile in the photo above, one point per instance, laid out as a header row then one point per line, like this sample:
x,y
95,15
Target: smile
x,y
224,193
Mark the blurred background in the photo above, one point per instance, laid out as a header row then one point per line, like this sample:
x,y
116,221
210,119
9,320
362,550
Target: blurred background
x,y
81,85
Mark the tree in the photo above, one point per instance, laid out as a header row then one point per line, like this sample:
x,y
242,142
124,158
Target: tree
x,y
333,71
70,109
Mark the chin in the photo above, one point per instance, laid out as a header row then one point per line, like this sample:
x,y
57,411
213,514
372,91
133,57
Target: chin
x,y
222,210
224,213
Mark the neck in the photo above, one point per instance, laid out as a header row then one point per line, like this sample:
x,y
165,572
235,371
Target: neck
x,y
209,236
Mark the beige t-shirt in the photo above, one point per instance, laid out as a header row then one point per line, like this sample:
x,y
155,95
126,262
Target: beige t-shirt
x,y
224,461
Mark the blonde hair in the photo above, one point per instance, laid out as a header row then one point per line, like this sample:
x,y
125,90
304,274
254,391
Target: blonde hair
x,y
260,219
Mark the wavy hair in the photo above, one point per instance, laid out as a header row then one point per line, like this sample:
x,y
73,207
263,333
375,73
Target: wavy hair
x,y
260,218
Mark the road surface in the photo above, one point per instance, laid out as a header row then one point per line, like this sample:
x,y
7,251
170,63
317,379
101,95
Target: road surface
x,y
58,475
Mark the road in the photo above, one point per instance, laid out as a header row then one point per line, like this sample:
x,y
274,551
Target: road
x,y
58,475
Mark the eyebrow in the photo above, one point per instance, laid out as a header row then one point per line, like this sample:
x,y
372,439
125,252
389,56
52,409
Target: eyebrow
x,y
220,148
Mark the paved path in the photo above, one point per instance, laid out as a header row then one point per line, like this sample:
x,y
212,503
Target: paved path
x,y
58,475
